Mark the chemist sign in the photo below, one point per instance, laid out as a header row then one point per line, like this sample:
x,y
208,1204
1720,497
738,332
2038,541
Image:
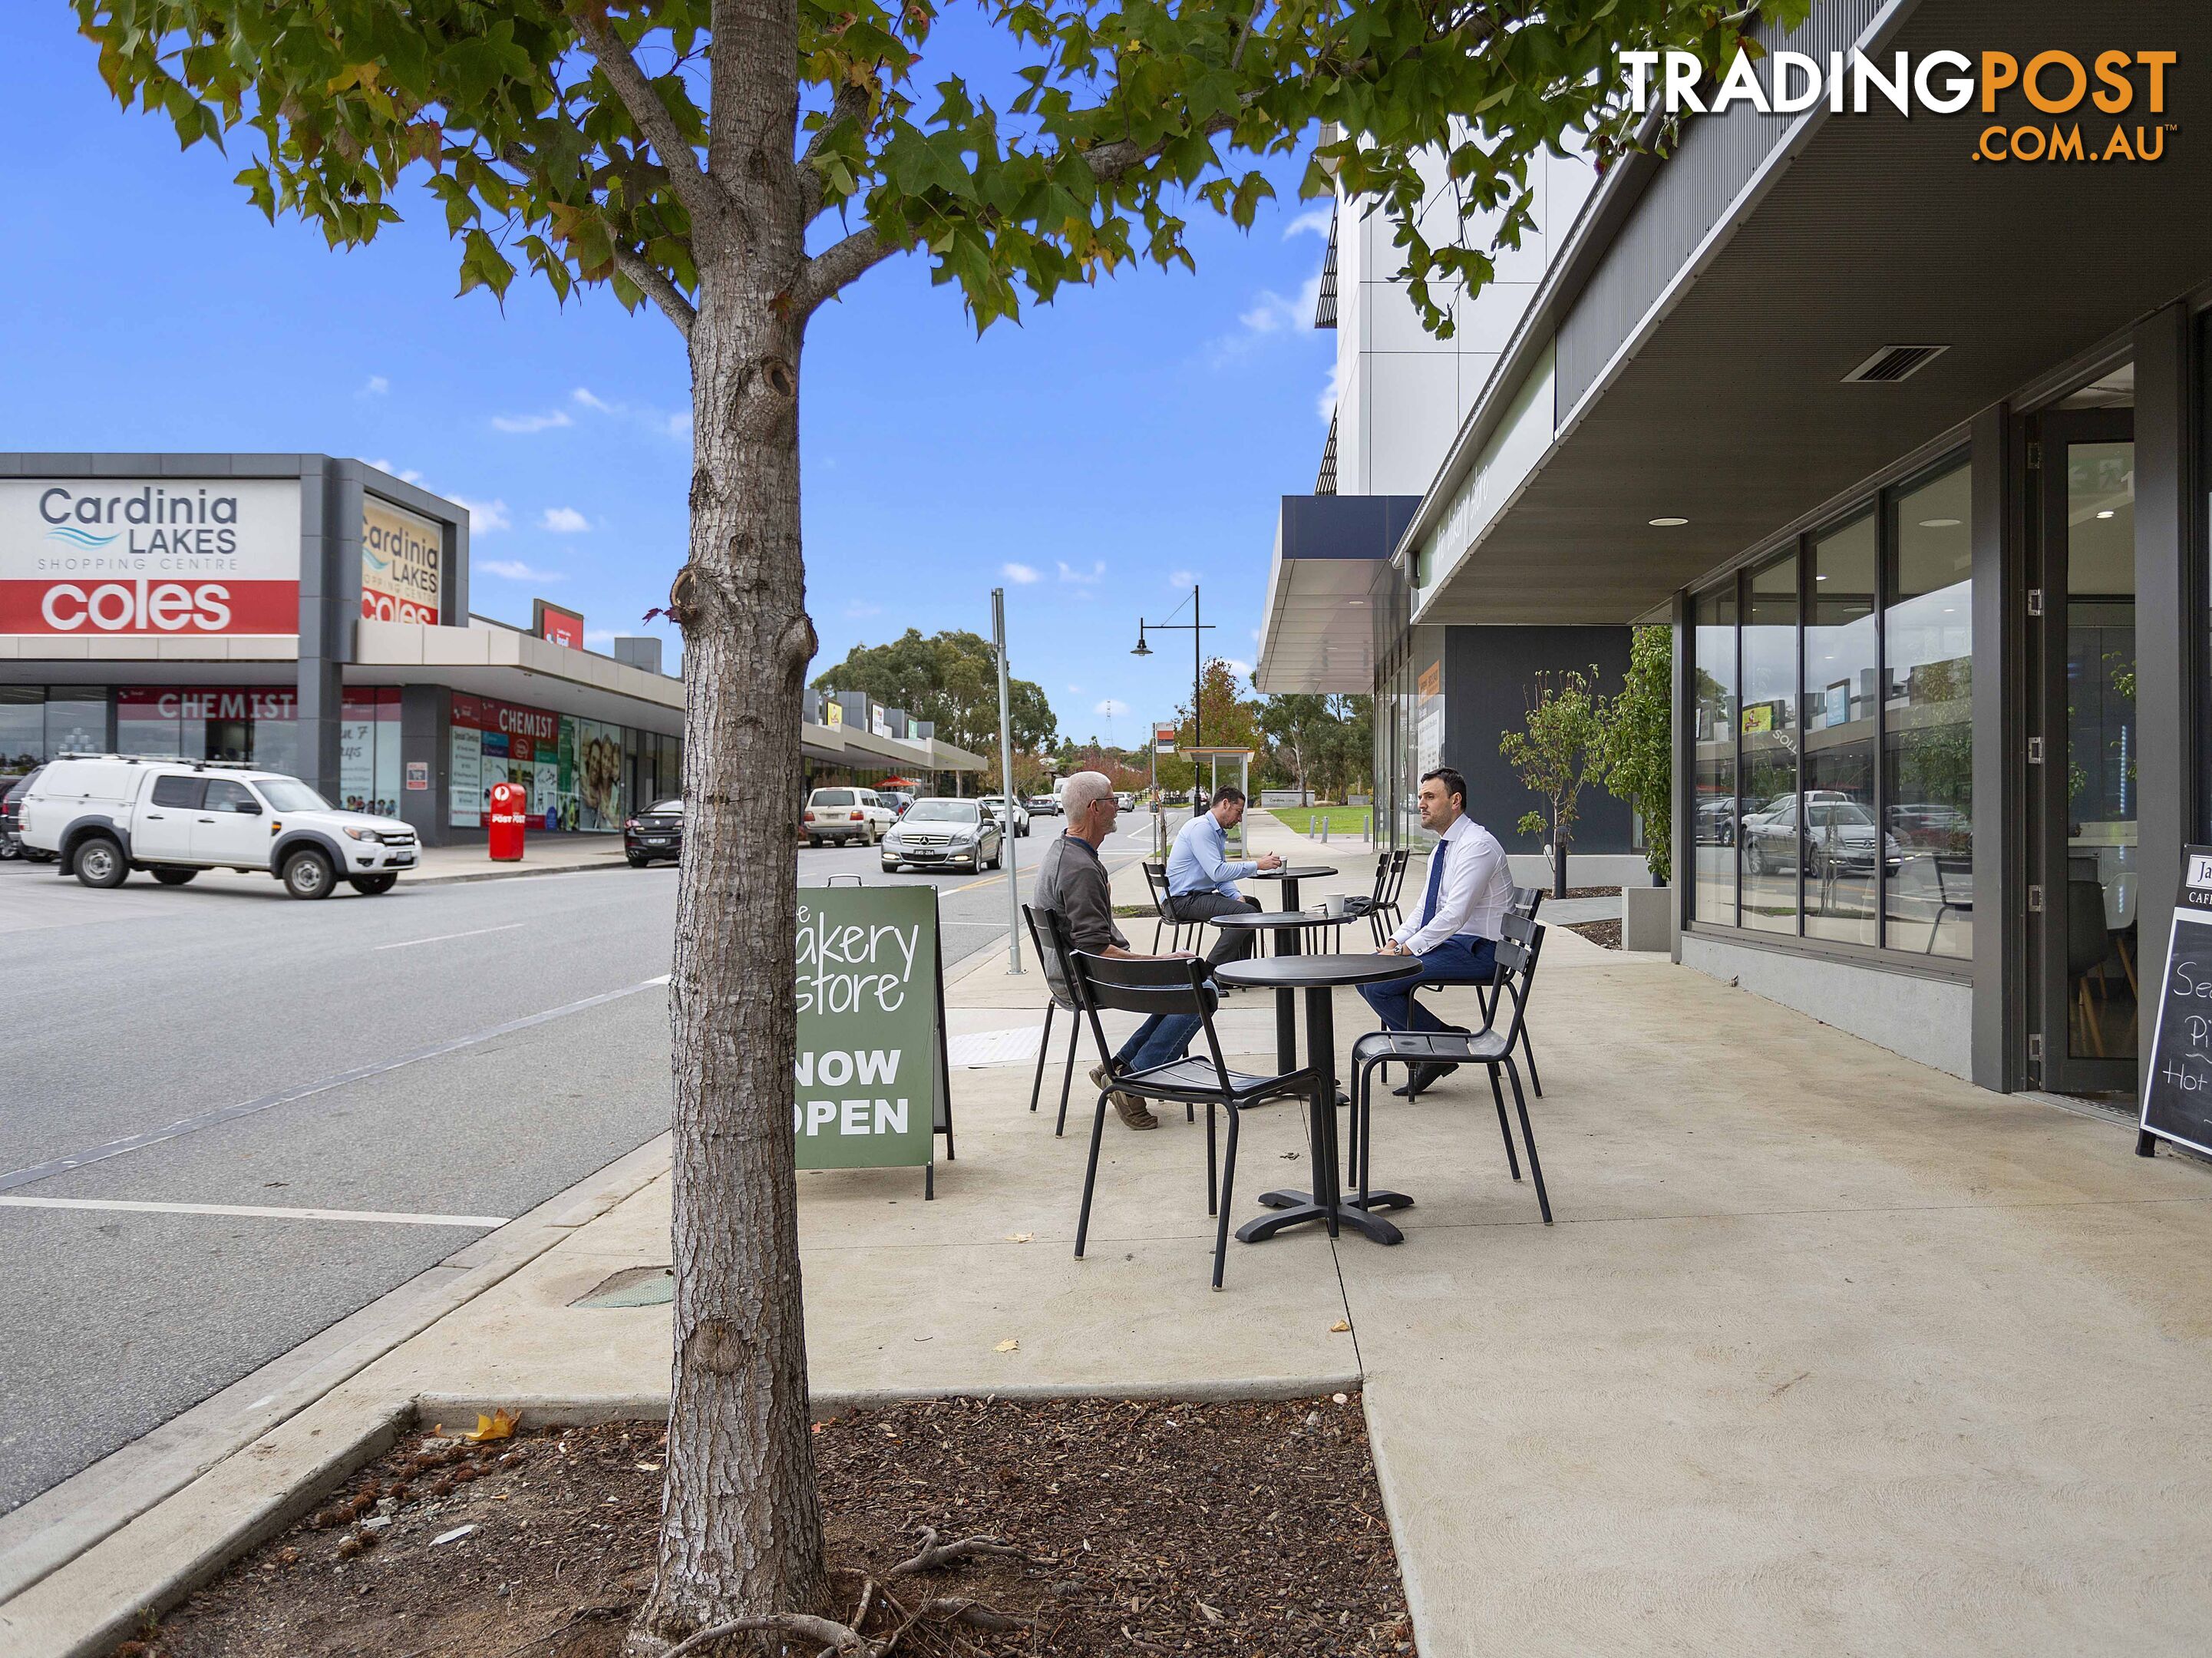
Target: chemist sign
x,y
869,1076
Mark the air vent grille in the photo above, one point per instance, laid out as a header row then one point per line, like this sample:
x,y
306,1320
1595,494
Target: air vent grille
x,y
1895,362
1325,305
1325,484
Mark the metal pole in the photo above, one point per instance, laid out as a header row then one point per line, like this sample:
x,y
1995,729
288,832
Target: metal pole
x,y
1197,692
1007,839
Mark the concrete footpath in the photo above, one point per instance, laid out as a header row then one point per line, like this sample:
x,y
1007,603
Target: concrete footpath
x,y
1827,1353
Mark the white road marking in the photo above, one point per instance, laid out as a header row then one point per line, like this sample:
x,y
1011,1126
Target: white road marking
x,y
381,1216
473,932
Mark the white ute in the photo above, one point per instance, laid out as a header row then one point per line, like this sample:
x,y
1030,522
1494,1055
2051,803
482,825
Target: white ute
x,y
106,815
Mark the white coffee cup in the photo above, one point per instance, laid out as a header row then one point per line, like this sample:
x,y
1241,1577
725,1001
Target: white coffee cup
x,y
1333,906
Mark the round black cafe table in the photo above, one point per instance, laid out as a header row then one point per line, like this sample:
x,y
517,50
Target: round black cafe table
x,y
1289,875
1319,977
1287,925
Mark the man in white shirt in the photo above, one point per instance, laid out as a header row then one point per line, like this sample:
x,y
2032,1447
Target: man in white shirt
x,y
1461,915
1202,878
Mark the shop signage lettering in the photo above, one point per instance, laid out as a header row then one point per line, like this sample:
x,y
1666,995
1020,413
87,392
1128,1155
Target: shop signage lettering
x,y
562,627
2177,1099
868,1076
2117,82
146,703
401,558
149,557
485,713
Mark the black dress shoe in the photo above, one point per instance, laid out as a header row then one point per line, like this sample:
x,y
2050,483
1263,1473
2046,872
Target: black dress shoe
x,y
1423,1076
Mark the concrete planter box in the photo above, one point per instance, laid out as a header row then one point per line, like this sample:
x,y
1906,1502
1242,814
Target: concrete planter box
x,y
1647,917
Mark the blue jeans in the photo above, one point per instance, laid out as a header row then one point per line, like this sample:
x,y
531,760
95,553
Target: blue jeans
x,y
1159,1039
1461,961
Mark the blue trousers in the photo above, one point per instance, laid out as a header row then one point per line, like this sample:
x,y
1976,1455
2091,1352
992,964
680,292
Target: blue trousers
x,y
1159,1039
1461,961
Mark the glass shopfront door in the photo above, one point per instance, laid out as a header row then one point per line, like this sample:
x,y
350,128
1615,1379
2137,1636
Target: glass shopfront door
x,y
2083,792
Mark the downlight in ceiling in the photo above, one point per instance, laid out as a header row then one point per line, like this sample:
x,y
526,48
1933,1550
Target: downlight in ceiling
x,y
1895,362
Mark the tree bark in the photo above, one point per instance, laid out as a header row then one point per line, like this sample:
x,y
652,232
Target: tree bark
x,y
741,1528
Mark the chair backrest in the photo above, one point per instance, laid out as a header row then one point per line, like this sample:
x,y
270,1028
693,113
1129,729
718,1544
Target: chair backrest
x,y
1045,940
1380,893
1167,985
1155,878
1527,900
1399,860
1516,967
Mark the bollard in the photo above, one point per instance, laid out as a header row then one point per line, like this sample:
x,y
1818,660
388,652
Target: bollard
x,y
1324,826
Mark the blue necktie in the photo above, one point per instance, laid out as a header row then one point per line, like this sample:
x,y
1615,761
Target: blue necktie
x,y
1435,880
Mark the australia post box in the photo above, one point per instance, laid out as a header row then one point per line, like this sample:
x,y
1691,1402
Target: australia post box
x,y
510,805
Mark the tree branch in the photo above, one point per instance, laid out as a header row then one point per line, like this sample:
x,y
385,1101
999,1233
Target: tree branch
x,y
836,267
658,287
852,103
700,196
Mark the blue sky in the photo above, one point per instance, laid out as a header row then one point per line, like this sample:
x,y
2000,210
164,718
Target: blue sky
x,y
1094,460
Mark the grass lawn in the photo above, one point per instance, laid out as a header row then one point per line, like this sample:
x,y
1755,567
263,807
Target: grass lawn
x,y
1306,820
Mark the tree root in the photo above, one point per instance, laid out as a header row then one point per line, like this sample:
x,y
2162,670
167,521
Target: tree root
x,y
833,1636
934,1554
838,1639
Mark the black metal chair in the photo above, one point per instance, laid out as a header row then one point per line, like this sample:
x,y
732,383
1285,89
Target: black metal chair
x,y
1387,916
1489,1047
1156,881
1370,904
1062,1001
1171,985
1527,900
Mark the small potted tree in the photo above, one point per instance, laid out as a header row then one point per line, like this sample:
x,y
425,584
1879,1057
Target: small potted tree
x,y
1638,756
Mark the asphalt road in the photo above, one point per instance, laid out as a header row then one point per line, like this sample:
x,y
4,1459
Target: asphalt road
x,y
462,1051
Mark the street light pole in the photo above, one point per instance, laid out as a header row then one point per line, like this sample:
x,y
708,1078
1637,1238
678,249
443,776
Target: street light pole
x,y
1198,628
1007,839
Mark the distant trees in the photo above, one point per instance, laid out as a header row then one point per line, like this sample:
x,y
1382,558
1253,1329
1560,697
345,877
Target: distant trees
x,y
952,679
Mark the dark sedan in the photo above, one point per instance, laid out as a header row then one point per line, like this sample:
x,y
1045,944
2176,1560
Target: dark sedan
x,y
656,832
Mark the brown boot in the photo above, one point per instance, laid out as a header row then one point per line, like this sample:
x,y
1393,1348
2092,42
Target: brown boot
x,y
1134,1111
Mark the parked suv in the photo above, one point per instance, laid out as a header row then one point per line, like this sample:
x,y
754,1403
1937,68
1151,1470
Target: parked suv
x,y
845,814
107,815
12,791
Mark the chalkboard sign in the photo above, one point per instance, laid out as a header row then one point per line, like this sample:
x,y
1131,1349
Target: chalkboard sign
x,y
2177,1102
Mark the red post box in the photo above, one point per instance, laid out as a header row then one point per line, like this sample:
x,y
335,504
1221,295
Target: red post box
x,y
510,805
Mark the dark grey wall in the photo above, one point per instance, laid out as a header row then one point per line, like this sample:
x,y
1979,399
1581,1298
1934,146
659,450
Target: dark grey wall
x,y
1487,671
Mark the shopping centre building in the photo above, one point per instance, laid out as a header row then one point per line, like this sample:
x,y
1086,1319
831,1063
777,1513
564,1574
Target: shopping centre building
x,y
311,615
1898,417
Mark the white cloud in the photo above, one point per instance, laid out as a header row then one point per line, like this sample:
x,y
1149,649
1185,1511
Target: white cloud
x,y
513,569
375,386
564,520
1315,221
1272,314
1075,690
1111,709
1020,575
859,608
1089,578
484,516
654,420
1241,669
1183,578
1325,404
405,474
599,635
547,421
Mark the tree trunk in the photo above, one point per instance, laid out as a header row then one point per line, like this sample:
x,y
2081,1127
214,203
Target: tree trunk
x,y
741,1528
1559,858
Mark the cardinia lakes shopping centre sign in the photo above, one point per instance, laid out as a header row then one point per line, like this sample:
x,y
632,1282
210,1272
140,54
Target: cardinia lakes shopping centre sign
x,y
2051,106
181,556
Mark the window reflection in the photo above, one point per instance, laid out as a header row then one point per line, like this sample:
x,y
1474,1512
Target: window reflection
x,y
1713,711
1842,848
1928,763
1769,826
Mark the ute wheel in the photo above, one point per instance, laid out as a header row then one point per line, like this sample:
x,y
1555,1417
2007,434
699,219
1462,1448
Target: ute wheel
x,y
308,875
173,877
99,862
370,885
10,848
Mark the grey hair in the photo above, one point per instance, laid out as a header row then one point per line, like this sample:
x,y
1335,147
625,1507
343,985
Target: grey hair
x,y
1084,790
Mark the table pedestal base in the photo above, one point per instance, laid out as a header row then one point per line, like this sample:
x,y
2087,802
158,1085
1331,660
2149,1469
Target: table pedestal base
x,y
1297,1208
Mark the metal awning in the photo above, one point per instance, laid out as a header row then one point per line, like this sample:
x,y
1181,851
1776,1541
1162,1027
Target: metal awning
x,y
1697,363
1326,590
516,667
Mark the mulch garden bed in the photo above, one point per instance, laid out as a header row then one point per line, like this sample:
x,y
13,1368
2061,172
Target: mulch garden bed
x,y
1606,933
1140,1526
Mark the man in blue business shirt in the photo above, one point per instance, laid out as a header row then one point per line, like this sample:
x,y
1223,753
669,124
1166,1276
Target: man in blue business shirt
x,y
1461,915
1201,879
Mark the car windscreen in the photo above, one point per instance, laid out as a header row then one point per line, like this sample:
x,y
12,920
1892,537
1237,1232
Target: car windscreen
x,y
1840,815
833,796
672,808
950,811
290,795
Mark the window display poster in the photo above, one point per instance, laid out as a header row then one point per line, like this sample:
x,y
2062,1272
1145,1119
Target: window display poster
x,y
464,803
599,774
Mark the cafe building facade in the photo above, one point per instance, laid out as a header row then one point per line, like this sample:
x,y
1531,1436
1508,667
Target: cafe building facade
x,y
307,615
1899,418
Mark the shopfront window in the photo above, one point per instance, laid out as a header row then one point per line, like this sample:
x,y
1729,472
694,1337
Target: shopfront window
x,y
368,750
77,721
22,727
1852,744
1928,783
1713,711
1840,843
574,769
1770,839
